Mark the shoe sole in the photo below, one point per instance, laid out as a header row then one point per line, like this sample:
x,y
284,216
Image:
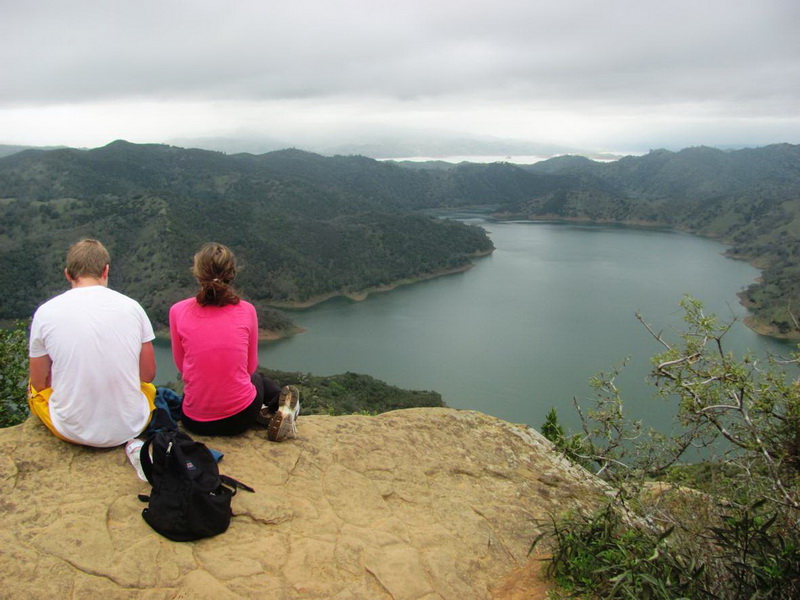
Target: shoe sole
x,y
283,421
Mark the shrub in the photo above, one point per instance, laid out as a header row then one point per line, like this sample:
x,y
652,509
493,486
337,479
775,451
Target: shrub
x,y
603,555
13,374
734,534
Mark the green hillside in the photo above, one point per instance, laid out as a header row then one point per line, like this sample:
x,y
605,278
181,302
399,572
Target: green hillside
x,y
750,199
307,226
302,225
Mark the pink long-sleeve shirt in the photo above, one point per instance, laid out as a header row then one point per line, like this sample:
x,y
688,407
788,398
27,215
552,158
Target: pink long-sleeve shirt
x,y
215,348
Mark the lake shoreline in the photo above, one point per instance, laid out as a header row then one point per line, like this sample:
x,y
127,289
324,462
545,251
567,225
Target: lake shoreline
x,y
272,335
362,295
751,321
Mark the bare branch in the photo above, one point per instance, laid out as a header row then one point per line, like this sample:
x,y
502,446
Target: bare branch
x,y
655,335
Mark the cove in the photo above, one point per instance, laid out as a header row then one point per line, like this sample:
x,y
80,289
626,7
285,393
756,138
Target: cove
x,y
527,327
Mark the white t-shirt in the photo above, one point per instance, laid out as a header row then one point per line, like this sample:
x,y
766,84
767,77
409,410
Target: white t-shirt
x,y
94,337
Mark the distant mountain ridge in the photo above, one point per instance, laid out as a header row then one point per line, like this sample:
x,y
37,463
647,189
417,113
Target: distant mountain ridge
x,y
9,149
396,143
307,226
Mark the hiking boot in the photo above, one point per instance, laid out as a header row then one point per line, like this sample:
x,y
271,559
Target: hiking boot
x,y
284,424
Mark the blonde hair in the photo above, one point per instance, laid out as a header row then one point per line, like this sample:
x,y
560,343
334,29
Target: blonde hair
x,y
87,258
214,268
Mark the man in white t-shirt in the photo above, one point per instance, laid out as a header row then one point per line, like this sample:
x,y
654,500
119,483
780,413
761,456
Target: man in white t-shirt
x,y
91,357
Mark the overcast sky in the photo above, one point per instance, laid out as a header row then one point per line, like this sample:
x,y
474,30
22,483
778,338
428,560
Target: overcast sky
x,y
616,75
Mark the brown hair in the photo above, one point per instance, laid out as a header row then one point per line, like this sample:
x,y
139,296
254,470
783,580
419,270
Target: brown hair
x,y
87,258
215,269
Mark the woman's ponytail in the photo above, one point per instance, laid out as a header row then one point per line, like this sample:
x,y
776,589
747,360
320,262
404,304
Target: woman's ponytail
x,y
215,269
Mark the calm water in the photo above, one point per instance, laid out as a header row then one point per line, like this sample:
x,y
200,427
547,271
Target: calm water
x,y
527,327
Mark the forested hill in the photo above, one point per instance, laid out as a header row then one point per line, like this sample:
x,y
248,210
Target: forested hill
x,y
748,198
307,225
303,225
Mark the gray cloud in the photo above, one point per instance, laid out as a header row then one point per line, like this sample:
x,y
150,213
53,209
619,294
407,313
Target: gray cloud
x,y
690,60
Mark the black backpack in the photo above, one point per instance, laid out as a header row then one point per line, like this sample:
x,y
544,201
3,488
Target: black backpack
x,y
190,499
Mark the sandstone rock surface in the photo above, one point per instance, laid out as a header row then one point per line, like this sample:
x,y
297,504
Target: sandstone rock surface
x,y
414,504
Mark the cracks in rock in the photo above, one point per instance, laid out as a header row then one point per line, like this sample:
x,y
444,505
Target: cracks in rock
x,y
476,474
290,471
108,517
110,507
263,520
393,496
93,573
497,474
460,471
495,535
72,458
376,580
15,477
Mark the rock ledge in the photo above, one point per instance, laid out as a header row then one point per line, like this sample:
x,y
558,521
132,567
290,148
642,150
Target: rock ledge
x,y
413,504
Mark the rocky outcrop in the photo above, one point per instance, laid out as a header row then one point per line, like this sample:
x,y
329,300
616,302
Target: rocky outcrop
x,y
412,504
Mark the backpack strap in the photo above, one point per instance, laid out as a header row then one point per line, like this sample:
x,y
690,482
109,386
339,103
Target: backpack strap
x,y
146,460
235,483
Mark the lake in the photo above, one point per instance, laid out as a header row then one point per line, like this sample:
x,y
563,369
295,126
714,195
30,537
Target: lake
x,y
527,327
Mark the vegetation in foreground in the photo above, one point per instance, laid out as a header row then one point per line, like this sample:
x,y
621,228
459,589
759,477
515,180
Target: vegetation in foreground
x,y
14,374
727,527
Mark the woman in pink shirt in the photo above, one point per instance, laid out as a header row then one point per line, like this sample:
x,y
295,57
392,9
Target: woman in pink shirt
x,y
215,348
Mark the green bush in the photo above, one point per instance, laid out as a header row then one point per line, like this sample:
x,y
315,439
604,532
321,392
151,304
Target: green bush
x,y
761,552
351,393
735,534
13,374
572,446
603,555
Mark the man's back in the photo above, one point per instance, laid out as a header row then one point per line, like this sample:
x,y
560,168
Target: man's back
x,y
94,338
